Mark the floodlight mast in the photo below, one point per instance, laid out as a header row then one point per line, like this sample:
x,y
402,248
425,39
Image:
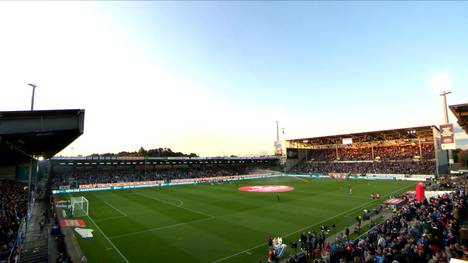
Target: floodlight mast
x,y
277,131
444,95
32,98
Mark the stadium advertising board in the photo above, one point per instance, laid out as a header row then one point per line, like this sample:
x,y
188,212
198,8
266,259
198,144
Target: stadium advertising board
x,y
447,136
338,175
121,184
310,175
347,141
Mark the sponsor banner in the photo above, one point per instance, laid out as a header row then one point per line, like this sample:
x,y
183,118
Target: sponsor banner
x,y
84,232
418,177
378,178
120,184
447,137
72,222
266,188
62,204
311,175
347,141
338,175
394,201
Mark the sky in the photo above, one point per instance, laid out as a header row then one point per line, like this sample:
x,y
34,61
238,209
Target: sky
x,y
212,77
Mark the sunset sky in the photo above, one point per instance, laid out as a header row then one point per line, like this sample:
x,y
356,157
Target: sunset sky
x,y
213,77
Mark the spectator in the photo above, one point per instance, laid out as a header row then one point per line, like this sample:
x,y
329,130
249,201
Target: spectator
x,y
13,208
418,232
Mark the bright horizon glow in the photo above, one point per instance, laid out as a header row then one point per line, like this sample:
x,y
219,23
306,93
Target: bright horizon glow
x,y
441,82
213,77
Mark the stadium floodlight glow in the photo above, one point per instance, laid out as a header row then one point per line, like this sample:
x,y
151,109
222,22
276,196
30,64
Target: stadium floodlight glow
x,y
40,158
441,83
33,91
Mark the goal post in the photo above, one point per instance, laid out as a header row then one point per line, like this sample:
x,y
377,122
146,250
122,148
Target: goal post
x,y
79,206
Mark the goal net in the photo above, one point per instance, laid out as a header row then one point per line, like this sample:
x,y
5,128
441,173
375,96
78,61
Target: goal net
x,y
79,206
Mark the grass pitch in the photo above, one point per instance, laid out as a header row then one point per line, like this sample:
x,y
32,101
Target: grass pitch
x,y
219,223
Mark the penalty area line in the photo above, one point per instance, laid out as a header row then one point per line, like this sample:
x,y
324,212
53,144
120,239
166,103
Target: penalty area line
x,y
116,209
159,228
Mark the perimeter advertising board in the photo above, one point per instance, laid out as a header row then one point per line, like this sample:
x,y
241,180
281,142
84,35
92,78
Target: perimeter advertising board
x,y
347,141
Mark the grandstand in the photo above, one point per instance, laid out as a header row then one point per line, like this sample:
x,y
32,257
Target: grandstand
x,y
461,113
77,172
207,217
405,151
25,138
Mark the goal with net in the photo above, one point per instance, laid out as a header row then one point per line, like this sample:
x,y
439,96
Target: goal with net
x,y
79,206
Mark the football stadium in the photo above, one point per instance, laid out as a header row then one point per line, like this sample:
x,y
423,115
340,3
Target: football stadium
x,y
153,139
332,198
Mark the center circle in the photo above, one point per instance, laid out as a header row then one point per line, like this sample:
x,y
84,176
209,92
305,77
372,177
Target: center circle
x,y
266,188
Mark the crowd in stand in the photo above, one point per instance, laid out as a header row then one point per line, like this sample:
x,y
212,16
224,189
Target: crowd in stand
x,y
76,177
405,152
13,208
381,167
417,232
382,152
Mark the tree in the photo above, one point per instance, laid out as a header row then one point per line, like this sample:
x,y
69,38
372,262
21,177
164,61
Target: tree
x,y
142,151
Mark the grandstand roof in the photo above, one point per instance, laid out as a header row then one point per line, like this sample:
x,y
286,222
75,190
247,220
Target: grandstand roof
x,y
461,112
92,160
362,137
43,133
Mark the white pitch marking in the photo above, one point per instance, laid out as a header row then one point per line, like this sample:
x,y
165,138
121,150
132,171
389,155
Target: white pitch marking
x,y
179,206
159,228
299,178
108,240
304,228
116,209
110,218
181,203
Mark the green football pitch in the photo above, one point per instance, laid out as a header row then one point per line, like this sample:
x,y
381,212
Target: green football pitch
x,y
219,223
